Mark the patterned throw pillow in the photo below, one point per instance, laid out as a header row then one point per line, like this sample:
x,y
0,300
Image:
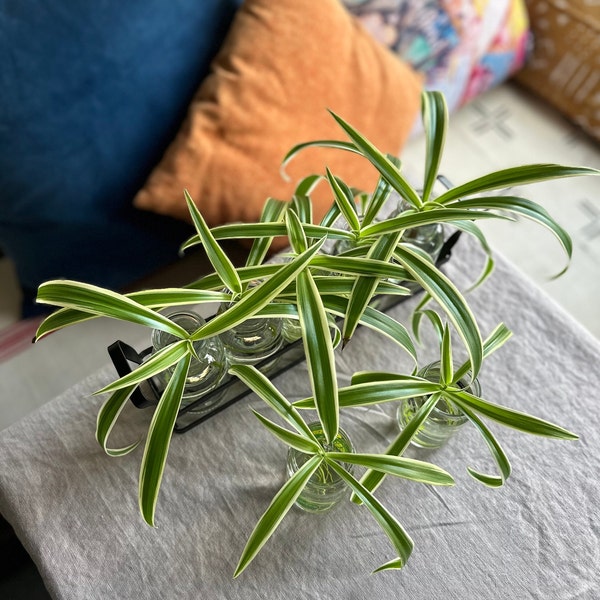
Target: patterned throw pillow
x,y
463,47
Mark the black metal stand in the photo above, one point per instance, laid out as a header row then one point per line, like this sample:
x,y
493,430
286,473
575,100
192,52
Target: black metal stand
x,y
125,358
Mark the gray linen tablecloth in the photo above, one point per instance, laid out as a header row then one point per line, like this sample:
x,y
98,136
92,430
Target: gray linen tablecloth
x,y
75,509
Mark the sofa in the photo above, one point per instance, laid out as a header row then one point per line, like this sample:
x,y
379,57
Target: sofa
x,y
110,111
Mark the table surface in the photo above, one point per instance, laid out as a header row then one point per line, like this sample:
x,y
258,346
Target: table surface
x,y
75,509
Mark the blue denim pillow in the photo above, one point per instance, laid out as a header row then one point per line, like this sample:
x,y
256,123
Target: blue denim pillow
x,y
91,94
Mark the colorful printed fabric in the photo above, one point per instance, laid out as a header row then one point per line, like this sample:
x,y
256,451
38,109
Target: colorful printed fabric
x,y
463,47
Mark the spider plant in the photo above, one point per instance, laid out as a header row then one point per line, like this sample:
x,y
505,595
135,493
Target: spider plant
x,y
274,296
459,206
315,289
379,387
302,438
284,290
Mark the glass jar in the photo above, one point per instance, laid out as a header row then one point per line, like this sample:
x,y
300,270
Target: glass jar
x,y
206,372
429,238
325,489
444,420
252,341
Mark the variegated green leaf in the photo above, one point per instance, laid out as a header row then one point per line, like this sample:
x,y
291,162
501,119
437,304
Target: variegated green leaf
x,y
107,417
495,448
390,526
278,310
369,267
388,170
264,389
381,376
406,468
160,298
233,231
177,297
380,195
439,287
510,417
275,229
157,363
279,507
342,286
336,334
374,393
159,440
409,220
417,316
302,206
365,286
101,302
472,229
331,216
446,366
218,259
361,198
213,282
495,340
259,296
376,320
433,318
528,209
295,232
299,442
373,478
335,144
363,392
513,176
306,187
344,199
59,319
434,114
320,358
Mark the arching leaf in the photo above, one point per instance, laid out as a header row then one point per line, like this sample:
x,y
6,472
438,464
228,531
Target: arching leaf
x,y
513,176
159,440
434,114
390,526
101,302
320,358
388,170
279,507
441,289
219,260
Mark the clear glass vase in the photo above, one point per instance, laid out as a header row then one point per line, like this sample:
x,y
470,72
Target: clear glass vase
x,y
429,238
252,341
444,420
325,489
206,372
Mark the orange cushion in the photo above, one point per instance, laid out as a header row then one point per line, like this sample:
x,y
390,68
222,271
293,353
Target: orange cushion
x,y
284,62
